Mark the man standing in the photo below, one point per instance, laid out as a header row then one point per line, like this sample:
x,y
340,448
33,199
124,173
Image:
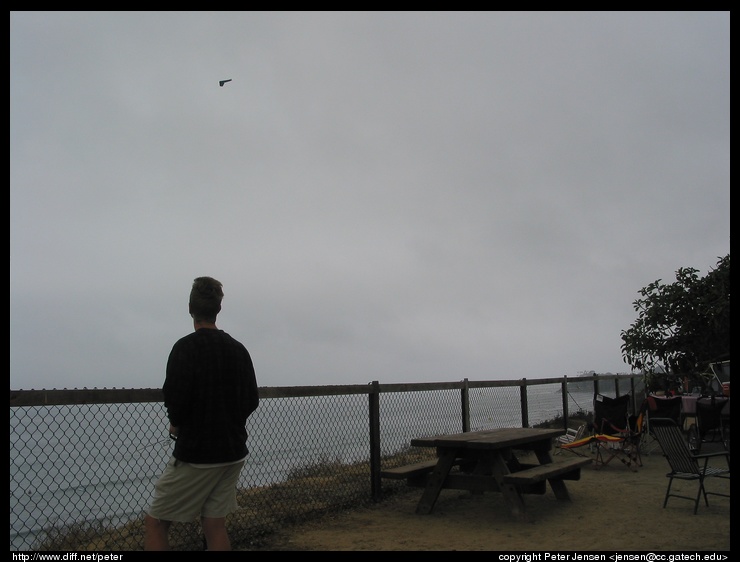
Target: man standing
x,y
210,390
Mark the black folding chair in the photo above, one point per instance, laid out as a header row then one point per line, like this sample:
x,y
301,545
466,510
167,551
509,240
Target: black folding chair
x,y
710,425
686,465
658,407
615,432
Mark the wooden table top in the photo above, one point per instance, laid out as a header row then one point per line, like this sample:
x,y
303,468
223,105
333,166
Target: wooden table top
x,y
490,438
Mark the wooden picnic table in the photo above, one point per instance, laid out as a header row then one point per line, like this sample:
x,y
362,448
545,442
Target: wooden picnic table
x,y
488,462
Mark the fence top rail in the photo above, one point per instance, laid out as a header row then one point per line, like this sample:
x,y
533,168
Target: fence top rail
x,y
62,397
84,396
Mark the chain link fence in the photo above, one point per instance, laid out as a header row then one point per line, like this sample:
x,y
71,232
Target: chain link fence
x,y
83,463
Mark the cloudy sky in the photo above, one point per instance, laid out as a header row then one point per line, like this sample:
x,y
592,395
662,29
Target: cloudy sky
x,y
401,197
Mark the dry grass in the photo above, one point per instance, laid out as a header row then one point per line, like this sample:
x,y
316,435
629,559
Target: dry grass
x,y
613,509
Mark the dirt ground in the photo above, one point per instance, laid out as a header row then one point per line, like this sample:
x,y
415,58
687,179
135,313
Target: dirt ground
x,y
612,509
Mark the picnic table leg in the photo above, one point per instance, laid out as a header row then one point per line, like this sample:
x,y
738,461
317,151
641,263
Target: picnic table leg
x,y
483,467
511,493
435,481
557,484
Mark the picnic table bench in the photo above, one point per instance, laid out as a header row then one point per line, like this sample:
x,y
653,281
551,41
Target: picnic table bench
x,y
562,470
416,473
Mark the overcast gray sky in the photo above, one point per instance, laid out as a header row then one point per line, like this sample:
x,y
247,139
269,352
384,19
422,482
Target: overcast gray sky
x,y
391,196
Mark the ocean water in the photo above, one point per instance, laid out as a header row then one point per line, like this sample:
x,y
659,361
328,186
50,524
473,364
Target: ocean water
x,y
104,470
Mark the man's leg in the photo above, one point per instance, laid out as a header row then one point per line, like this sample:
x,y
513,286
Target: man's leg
x,y
217,538
156,531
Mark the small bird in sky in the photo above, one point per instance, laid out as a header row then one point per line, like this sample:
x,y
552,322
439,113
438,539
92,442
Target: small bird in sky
x,y
222,82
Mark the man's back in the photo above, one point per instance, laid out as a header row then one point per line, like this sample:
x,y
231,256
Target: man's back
x,y
210,390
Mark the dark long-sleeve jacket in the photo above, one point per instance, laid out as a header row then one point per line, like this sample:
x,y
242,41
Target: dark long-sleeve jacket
x,y
210,390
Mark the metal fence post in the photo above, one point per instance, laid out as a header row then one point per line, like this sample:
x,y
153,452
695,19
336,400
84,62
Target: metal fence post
x,y
465,406
374,416
525,407
564,390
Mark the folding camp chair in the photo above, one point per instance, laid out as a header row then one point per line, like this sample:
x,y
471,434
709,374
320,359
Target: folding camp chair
x,y
571,436
686,465
665,407
615,432
710,425
657,407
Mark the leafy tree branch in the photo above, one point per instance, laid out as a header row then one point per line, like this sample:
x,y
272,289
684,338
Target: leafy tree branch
x,y
684,325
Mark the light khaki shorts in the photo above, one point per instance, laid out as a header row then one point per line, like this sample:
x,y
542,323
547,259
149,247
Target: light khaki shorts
x,y
185,493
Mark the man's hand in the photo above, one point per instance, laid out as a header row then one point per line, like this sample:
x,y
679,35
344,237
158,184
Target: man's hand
x,y
173,432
